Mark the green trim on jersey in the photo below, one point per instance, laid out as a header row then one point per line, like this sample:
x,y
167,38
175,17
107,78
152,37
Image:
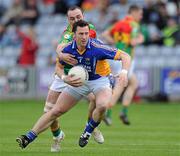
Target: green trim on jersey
x,y
67,35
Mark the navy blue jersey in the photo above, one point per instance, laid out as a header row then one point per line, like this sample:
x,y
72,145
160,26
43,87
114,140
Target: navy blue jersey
x,y
93,59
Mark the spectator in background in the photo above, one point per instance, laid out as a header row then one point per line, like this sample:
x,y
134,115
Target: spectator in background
x,y
150,14
88,5
2,30
100,15
9,36
119,10
61,6
2,10
171,33
13,14
162,15
30,12
29,47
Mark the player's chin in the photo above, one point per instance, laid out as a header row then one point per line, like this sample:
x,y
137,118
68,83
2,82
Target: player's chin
x,y
83,43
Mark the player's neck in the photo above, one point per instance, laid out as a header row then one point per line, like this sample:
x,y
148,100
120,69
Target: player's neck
x,y
81,48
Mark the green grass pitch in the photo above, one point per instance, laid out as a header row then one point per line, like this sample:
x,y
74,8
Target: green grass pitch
x,y
155,131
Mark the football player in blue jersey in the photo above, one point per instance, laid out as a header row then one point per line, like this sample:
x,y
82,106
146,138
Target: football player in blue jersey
x,y
92,56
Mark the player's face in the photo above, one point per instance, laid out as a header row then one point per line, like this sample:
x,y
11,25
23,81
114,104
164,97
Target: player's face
x,y
74,16
82,36
138,15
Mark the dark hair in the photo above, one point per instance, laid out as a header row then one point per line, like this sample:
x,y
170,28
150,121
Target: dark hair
x,y
80,23
134,8
72,8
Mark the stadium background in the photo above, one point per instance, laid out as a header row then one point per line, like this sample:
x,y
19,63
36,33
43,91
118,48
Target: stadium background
x,y
157,60
156,127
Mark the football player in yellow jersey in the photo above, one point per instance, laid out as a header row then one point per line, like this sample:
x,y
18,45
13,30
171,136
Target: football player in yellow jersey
x,y
125,35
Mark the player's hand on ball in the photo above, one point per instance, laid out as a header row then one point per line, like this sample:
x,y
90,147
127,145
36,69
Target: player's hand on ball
x,y
73,81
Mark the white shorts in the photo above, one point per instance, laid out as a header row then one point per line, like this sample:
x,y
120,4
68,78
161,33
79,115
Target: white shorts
x,y
116,67
58,84
90,86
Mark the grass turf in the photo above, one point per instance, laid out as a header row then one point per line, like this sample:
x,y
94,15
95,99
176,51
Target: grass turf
x,y
155,131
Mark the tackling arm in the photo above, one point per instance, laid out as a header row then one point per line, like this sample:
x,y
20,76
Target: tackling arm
x,y
137,40
106,35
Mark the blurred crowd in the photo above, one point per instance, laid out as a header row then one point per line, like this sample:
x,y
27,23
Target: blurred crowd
x,y
19,20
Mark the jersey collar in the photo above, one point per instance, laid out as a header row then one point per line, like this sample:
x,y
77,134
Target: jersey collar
x,y
88,46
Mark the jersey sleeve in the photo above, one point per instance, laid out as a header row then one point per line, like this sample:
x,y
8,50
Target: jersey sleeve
x,y
106,52
66,38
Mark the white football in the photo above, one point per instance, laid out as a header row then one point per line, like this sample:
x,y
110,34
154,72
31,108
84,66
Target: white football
x,y
79,72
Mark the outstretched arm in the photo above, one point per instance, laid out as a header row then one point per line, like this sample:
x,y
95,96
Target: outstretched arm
x,y
106,35
126,62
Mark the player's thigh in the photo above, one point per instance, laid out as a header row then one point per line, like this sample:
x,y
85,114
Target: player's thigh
x,y
51,100
133,81
103,97
102,90
91,99
65,102
52,96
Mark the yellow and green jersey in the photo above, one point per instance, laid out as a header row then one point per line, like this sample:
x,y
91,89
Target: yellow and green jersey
x,y
123,31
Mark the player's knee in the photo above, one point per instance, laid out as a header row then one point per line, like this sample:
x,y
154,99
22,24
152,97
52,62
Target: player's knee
x,y
57,112
91,98
102,109
48,106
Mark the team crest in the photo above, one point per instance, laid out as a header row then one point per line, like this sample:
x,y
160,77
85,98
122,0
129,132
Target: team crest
x,y
87,61
67,36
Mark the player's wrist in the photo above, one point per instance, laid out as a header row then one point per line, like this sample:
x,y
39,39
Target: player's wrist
x,y
124,71
63,77
61,56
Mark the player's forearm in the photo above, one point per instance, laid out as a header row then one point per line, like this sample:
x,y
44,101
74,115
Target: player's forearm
x,y
59,69
126,60
107,37
59,49
138,40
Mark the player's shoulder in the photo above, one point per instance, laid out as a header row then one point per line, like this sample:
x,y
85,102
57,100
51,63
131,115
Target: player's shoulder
x,y
99,44
68,45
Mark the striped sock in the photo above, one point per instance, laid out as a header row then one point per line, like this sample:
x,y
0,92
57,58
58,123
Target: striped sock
x,y
91,126
31,136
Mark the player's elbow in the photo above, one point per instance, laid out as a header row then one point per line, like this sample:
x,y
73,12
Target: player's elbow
x,y
60,48
126,57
